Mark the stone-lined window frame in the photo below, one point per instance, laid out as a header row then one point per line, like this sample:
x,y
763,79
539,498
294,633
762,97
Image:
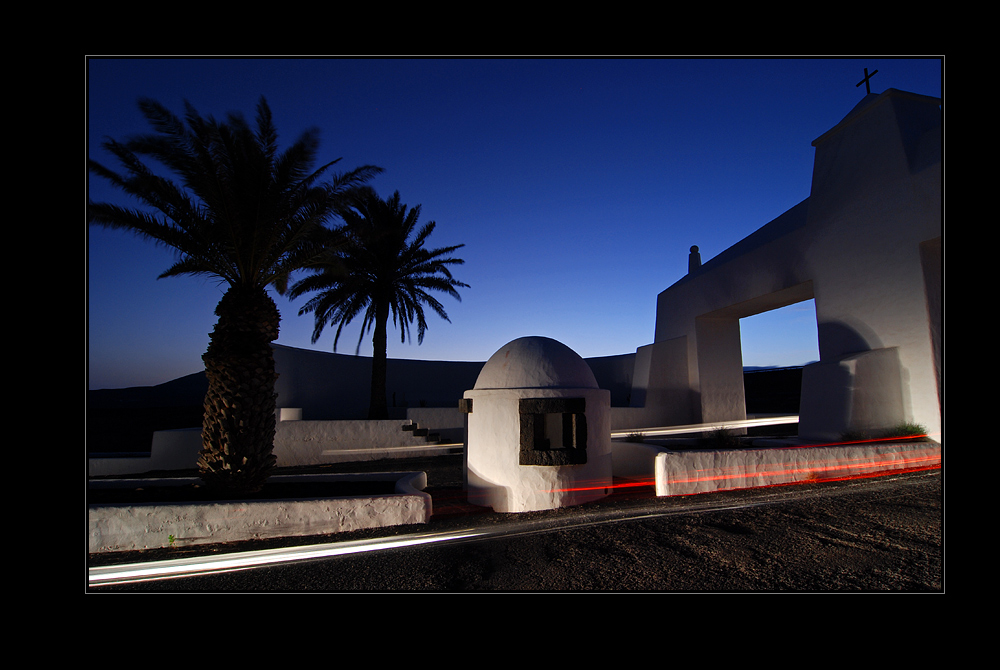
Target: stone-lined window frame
x,y
535,449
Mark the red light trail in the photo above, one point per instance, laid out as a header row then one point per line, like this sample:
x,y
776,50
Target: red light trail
x,y
881,459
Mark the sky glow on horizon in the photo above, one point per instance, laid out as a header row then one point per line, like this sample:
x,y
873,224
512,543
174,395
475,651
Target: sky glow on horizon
x,y
583,179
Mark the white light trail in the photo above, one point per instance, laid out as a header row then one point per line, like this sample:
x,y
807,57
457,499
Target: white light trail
x,y
201,565
208,565
704,427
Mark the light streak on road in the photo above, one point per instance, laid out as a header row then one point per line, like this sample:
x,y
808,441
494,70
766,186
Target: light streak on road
x,y
835,468
655,508
915,458
194,566
211,565
812,471
895,438
203,565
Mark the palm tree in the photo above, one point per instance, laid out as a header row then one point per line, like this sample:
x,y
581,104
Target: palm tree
x,y
379,270
248,215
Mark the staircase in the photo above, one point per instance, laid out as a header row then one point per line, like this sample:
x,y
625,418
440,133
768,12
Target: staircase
x,y
432,438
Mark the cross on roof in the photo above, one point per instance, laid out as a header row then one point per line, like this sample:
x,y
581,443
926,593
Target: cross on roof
x,y
868,88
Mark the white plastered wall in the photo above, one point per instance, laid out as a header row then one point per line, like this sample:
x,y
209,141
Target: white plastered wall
x,y
865,246
536,369
496,479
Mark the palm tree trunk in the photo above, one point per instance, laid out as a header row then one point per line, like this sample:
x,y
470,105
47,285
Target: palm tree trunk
x,y
239,420
377,408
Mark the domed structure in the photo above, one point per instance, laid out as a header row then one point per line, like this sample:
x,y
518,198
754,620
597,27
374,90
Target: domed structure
x,y
538,434
535,362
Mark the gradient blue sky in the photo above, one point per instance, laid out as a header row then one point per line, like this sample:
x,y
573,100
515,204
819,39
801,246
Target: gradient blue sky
x,y
584,178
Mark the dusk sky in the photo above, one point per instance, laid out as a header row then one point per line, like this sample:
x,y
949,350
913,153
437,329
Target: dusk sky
x,y
585,179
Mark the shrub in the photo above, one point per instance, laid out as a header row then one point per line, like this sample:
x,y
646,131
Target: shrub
x,y
902,430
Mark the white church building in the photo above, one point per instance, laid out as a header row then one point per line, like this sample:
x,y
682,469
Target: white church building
x,y
865,246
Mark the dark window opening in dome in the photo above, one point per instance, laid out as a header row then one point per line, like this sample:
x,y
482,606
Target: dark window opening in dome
x,y
553,431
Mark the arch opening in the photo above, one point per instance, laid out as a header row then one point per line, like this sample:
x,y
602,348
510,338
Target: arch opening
x,y
775,345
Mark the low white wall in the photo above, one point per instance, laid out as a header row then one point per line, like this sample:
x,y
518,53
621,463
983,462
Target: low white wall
x,y
129,528
314,442
295,443
448,422
329,386
701,471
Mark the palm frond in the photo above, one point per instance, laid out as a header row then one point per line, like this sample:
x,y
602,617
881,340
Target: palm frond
x,y
382,259
235,207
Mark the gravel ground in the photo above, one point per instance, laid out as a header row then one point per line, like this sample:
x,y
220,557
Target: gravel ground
x,y
876,535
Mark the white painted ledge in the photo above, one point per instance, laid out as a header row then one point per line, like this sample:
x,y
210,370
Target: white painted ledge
x,y
154,526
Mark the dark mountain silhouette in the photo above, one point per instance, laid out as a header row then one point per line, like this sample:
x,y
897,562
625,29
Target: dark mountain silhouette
x,y
122,420
181,392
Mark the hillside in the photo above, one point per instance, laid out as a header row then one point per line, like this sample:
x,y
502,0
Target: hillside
x,y
125,419
182,392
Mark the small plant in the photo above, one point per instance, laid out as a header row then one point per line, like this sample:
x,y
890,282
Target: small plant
x,y
170,540
904,430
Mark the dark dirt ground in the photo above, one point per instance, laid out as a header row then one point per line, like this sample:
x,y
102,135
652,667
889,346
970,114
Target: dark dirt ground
x,y
883,534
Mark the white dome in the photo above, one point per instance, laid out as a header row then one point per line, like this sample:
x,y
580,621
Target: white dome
x,y
535,362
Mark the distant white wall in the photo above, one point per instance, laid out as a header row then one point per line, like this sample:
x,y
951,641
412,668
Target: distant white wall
x,y
328,386
295,443
329,395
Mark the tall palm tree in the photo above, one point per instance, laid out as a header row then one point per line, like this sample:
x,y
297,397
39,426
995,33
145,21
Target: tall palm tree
x,y
379,271
249,215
